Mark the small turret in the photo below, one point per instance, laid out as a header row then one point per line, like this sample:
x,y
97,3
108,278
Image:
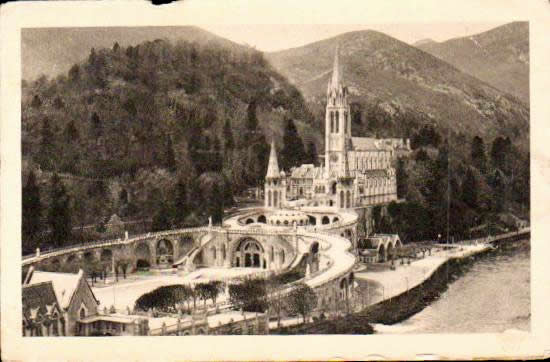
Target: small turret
x,y
273,165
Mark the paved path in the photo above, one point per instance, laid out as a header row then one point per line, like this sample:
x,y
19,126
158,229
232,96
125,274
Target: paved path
x,y
404,277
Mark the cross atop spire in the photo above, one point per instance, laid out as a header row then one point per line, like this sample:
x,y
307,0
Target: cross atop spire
x,y
273,165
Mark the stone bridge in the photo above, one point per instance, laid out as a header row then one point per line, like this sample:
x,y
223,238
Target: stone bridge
x,y
235,244
152,249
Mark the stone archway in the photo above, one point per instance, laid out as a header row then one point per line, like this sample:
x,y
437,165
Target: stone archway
x,y
325,220
164,252
106,256
88,257
262,219
249,221
381,253
312,220
143,255
185,244
250,254
55,264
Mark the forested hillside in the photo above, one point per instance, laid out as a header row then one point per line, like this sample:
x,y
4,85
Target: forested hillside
x,y
156,130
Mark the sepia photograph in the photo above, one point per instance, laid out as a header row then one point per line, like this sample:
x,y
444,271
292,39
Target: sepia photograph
x,y
365,179
177,182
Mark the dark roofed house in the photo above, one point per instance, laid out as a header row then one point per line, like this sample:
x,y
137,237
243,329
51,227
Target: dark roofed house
x,y
42,315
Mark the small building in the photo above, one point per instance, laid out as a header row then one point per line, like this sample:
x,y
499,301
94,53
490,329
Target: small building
x,y
74,295
41,313
63,304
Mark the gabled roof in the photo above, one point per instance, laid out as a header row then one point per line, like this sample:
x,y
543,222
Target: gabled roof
x,y
365,143
39,297
307,171
64,284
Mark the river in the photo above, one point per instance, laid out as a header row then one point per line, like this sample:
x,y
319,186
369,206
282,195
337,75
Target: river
x,y
491,297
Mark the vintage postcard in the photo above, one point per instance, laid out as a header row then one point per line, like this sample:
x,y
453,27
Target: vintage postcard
x,y
195,181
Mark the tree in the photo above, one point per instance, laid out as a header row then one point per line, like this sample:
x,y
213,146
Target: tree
x,y
181,206
183,294
32,210
215,203
202,290
312,153
228,136
276,298
251,119
161,220
169,156
302,300
97,126
478,154
74,73
58,102
46,158
500,152
402,178
292,153
469,189
71,132
214,288
36,101
59,219
249,295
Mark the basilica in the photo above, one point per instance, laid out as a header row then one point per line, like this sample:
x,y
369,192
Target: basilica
x,y
356,172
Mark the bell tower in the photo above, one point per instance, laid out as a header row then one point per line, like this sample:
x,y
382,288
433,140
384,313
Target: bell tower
x,y
337,121
275,182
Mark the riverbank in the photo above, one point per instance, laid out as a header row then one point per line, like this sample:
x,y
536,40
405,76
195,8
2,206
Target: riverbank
x,y
402,302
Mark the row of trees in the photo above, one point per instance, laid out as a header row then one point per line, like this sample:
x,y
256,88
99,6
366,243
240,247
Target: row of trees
x,y
174,298
261,295
250,295
449,195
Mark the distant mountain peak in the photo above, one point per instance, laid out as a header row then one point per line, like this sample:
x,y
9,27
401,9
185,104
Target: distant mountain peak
x,y
423,42
499,56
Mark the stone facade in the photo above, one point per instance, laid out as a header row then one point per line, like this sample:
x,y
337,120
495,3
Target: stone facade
x,y
357,171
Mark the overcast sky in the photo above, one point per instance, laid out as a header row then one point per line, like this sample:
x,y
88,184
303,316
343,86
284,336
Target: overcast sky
x,y
278,37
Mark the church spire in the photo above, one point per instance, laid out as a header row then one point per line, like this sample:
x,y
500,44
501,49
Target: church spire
x,y
273,165
335,82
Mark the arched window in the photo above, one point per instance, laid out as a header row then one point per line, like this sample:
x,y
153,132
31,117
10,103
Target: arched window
x,y
331,122
269,198
82,313
272,255
224,252
214,252
275,198
348,199
342,199
346,122
282,256
337,119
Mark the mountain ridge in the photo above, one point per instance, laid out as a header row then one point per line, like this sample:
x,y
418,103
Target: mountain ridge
x,y
499,56
400,78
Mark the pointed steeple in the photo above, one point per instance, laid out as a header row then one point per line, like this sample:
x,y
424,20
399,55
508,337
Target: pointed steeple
x,y
335,82
273,165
